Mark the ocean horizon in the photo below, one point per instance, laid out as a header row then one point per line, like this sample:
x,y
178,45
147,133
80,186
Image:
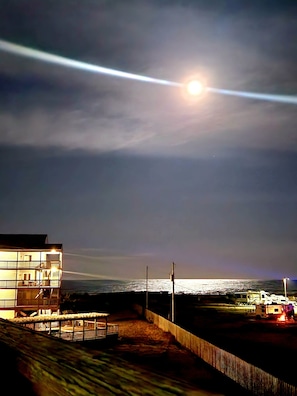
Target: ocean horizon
x,y
181,286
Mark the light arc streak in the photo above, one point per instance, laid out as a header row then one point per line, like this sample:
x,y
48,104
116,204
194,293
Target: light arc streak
x,y
20,50
254,95
60,60
87,274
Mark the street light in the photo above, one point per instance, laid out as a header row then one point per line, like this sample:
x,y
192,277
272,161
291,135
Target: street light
x,y
285,285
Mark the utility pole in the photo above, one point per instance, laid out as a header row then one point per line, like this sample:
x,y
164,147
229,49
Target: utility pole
x,y
172,297
285,286
146,294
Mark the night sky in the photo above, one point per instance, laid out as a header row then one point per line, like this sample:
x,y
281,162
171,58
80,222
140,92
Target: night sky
x,y
129,174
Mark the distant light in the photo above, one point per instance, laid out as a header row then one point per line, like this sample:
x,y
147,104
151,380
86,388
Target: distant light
x,y
282,318
195,88
53,251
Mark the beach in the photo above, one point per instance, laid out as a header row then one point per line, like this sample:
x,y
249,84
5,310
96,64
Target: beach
x,y
144,360
143,357
267,344
148,347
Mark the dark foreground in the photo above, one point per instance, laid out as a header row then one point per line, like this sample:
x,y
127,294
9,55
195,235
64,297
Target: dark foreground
x,y
267,344
143,361
145,345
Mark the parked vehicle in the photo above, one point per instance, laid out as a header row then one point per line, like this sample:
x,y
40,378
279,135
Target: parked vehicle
x,y
279,299
269,311
252,297
281,312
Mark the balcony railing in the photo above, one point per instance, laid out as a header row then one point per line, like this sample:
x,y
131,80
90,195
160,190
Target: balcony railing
x,y
44,283
14,284
25,302
8,303
34,264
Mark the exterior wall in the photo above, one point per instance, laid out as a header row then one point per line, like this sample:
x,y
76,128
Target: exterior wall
x,y
8,279
7,314
7,298
9,256
30,280
245,374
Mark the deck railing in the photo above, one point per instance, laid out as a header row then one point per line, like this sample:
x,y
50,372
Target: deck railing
x,y
78,330
34,264
84,334
24,284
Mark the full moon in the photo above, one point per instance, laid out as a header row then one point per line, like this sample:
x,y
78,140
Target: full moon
x,y
195,88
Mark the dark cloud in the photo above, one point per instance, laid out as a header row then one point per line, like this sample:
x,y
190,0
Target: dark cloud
x,y
203,213
235,47
134,168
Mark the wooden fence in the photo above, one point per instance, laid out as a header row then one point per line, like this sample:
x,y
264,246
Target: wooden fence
x,y
250,377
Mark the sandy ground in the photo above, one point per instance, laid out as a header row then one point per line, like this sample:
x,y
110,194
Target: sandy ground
x,y
266,344
144,344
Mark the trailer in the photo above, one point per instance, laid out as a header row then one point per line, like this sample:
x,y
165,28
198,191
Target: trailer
x,y
252,297
269,311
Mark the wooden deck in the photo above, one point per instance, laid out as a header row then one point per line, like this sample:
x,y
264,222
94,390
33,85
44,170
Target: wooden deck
x,y
56,368
84,333
72,327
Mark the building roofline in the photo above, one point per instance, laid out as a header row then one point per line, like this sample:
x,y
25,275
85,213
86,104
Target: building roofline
x,y
27,241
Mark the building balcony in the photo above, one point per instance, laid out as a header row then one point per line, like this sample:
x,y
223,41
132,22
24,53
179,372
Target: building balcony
x,y
25,284
37,302
27,303
37,264
7,303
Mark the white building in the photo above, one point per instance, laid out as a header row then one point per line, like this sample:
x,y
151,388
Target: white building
x,y
30,275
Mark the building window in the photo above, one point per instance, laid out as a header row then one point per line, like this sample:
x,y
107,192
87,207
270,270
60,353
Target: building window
x,y
27,277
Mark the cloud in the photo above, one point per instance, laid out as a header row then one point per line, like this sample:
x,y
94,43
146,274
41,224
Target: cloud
x,y
77,110
113,265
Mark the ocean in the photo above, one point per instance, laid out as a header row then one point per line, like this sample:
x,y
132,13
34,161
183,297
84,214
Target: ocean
x,y
181,286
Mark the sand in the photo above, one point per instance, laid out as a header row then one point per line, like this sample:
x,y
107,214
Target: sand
x,y
267,344
144,344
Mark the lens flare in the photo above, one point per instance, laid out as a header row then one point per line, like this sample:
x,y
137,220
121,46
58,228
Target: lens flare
x,y
193,86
